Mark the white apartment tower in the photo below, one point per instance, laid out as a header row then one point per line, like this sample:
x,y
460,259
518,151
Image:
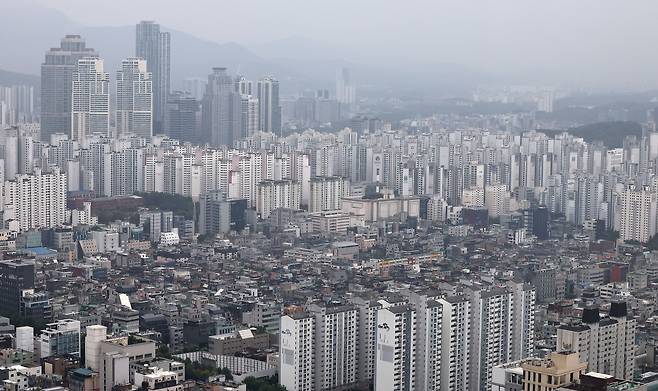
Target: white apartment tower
x,y
429,319
326,193
345,91
297,352
637,214
456,341
523,327
606,344
491,333
250,116
39,200
269,106
496,200
336,335
271,195
134,113
90,108
396,349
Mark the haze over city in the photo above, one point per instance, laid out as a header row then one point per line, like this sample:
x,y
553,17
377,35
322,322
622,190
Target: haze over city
x,y
571,44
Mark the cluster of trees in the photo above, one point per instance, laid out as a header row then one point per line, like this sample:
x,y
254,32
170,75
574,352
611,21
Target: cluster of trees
x,y
652,244
178,204
263,384
611,133
198,371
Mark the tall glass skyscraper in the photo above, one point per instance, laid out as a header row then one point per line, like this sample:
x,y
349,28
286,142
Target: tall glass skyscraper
x,y
56,82
154,46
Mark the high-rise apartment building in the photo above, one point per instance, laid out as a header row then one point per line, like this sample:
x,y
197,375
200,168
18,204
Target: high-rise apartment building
x,y
221,110
272,194
214,213
496,200
269,105
423,340
37,200
523,324
606,344
244,86
154,46
249,109
297,352
336,335
90,105
429,328
16,105
134,97
345,90
637,214
396,349
492,334
56,84
455,345
326,193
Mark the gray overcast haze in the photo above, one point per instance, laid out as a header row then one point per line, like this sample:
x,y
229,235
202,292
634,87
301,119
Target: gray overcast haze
x,y
585,43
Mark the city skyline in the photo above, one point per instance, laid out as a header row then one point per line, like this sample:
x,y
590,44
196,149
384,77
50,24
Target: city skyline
x,y
178,214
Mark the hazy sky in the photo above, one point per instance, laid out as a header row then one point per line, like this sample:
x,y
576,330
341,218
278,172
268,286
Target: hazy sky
x,y
576,41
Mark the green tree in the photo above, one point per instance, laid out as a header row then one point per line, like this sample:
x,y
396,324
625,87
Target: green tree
x,y
227,373
163,351
263,384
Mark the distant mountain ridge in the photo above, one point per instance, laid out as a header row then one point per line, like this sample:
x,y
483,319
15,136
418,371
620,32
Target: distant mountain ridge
x,y
298,62
8,78
610,133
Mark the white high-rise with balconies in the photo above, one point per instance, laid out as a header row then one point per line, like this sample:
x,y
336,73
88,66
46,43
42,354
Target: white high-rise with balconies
x,y
336,335
297,352
134,113
38,200
455,345
250,116
271,195
607,344
269,106
396,349
491,344
326,193
90,108
637,214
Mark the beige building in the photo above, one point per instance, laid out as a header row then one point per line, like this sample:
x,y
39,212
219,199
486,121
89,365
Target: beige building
x,y
381,208
330,222
230,344
558,370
